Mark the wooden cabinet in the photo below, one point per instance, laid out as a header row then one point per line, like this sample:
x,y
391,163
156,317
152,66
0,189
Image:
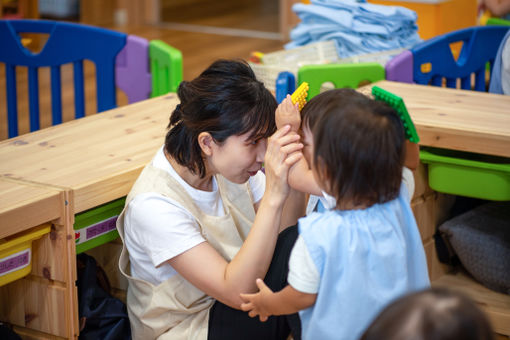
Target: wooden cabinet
x,y
52,174
44,303
431,209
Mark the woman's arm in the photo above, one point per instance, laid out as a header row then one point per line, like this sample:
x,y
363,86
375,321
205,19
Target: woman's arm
x,y
293,209
266,303
208,271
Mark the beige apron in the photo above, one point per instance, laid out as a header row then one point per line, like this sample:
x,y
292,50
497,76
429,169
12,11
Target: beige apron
x,y
175,309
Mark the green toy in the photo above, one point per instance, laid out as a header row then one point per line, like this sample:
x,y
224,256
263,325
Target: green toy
x,y
397,103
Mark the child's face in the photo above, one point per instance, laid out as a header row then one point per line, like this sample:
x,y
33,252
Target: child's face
x,y
308,147
307,139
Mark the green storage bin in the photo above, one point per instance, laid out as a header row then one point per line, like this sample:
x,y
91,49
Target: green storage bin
x,y
96,226
340,75
468,174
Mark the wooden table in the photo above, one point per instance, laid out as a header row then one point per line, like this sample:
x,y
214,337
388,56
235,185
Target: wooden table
x,y
97,157
54,173
95,160
456,119
25,205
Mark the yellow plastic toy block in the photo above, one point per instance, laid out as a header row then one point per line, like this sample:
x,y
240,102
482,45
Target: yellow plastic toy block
x,y
299,96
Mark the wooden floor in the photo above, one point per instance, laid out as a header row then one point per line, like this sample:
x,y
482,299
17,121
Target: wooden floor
x,y
199,48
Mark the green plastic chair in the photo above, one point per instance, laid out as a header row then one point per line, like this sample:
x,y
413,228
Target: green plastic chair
x,y
340,75
498,21
166,67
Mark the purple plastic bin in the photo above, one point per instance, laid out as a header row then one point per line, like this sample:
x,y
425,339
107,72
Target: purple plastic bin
x,y
132,74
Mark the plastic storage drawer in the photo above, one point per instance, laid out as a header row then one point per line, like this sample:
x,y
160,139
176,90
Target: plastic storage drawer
x,y
16,253
468,174
97,226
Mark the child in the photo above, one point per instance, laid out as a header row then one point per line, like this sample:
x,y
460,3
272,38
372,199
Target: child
x,y
433,314
300,175
350,261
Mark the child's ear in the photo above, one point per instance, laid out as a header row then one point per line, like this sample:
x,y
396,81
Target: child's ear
x,y
206,141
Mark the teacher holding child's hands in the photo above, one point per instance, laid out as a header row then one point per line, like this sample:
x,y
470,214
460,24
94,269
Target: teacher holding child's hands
x,y
201,222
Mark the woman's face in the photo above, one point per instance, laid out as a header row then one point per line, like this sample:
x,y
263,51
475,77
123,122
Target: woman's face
x,y
238,158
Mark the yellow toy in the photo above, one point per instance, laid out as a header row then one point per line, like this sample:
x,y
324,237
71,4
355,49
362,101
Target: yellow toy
x,y
299,96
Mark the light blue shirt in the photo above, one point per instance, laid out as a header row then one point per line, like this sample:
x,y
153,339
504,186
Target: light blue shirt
x,y
365,259
500,78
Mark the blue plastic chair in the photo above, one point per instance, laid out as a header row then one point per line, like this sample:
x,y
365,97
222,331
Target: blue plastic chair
x,y
285,84
432,60
67,43
427,64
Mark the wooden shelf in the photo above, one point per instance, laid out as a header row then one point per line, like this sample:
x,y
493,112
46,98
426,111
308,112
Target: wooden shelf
x,y
496,305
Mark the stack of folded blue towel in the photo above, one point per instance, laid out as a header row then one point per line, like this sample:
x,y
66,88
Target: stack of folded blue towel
x,y
356,27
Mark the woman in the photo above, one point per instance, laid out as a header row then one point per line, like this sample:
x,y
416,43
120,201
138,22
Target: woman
x,y
201,223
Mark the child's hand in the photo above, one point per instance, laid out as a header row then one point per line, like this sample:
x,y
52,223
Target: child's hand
x,y
255,304
288,113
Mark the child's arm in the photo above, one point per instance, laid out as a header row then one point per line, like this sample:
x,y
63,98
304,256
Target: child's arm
x,y
266,303
300,175
301,178
412,157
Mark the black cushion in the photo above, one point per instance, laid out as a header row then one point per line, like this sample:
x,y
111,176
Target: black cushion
x,y
481,240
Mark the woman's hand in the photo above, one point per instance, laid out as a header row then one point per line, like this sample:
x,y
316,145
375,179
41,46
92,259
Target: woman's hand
x,y
281,154
288,113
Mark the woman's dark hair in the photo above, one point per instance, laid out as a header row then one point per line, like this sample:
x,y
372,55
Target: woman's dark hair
x,y
225,100
359,149
433,314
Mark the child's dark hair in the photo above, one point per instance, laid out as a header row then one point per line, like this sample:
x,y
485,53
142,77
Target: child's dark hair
x,y
433,314
314,109
225,100
359,150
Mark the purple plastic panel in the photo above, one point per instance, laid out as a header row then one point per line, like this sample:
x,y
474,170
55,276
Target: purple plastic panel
x,y
400,68
132,73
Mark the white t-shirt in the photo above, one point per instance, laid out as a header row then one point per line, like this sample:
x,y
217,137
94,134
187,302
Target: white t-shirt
x,y
158,228
303,274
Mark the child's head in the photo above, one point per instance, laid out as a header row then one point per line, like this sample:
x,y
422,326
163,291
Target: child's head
x,y
358,147
316,107
433,314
